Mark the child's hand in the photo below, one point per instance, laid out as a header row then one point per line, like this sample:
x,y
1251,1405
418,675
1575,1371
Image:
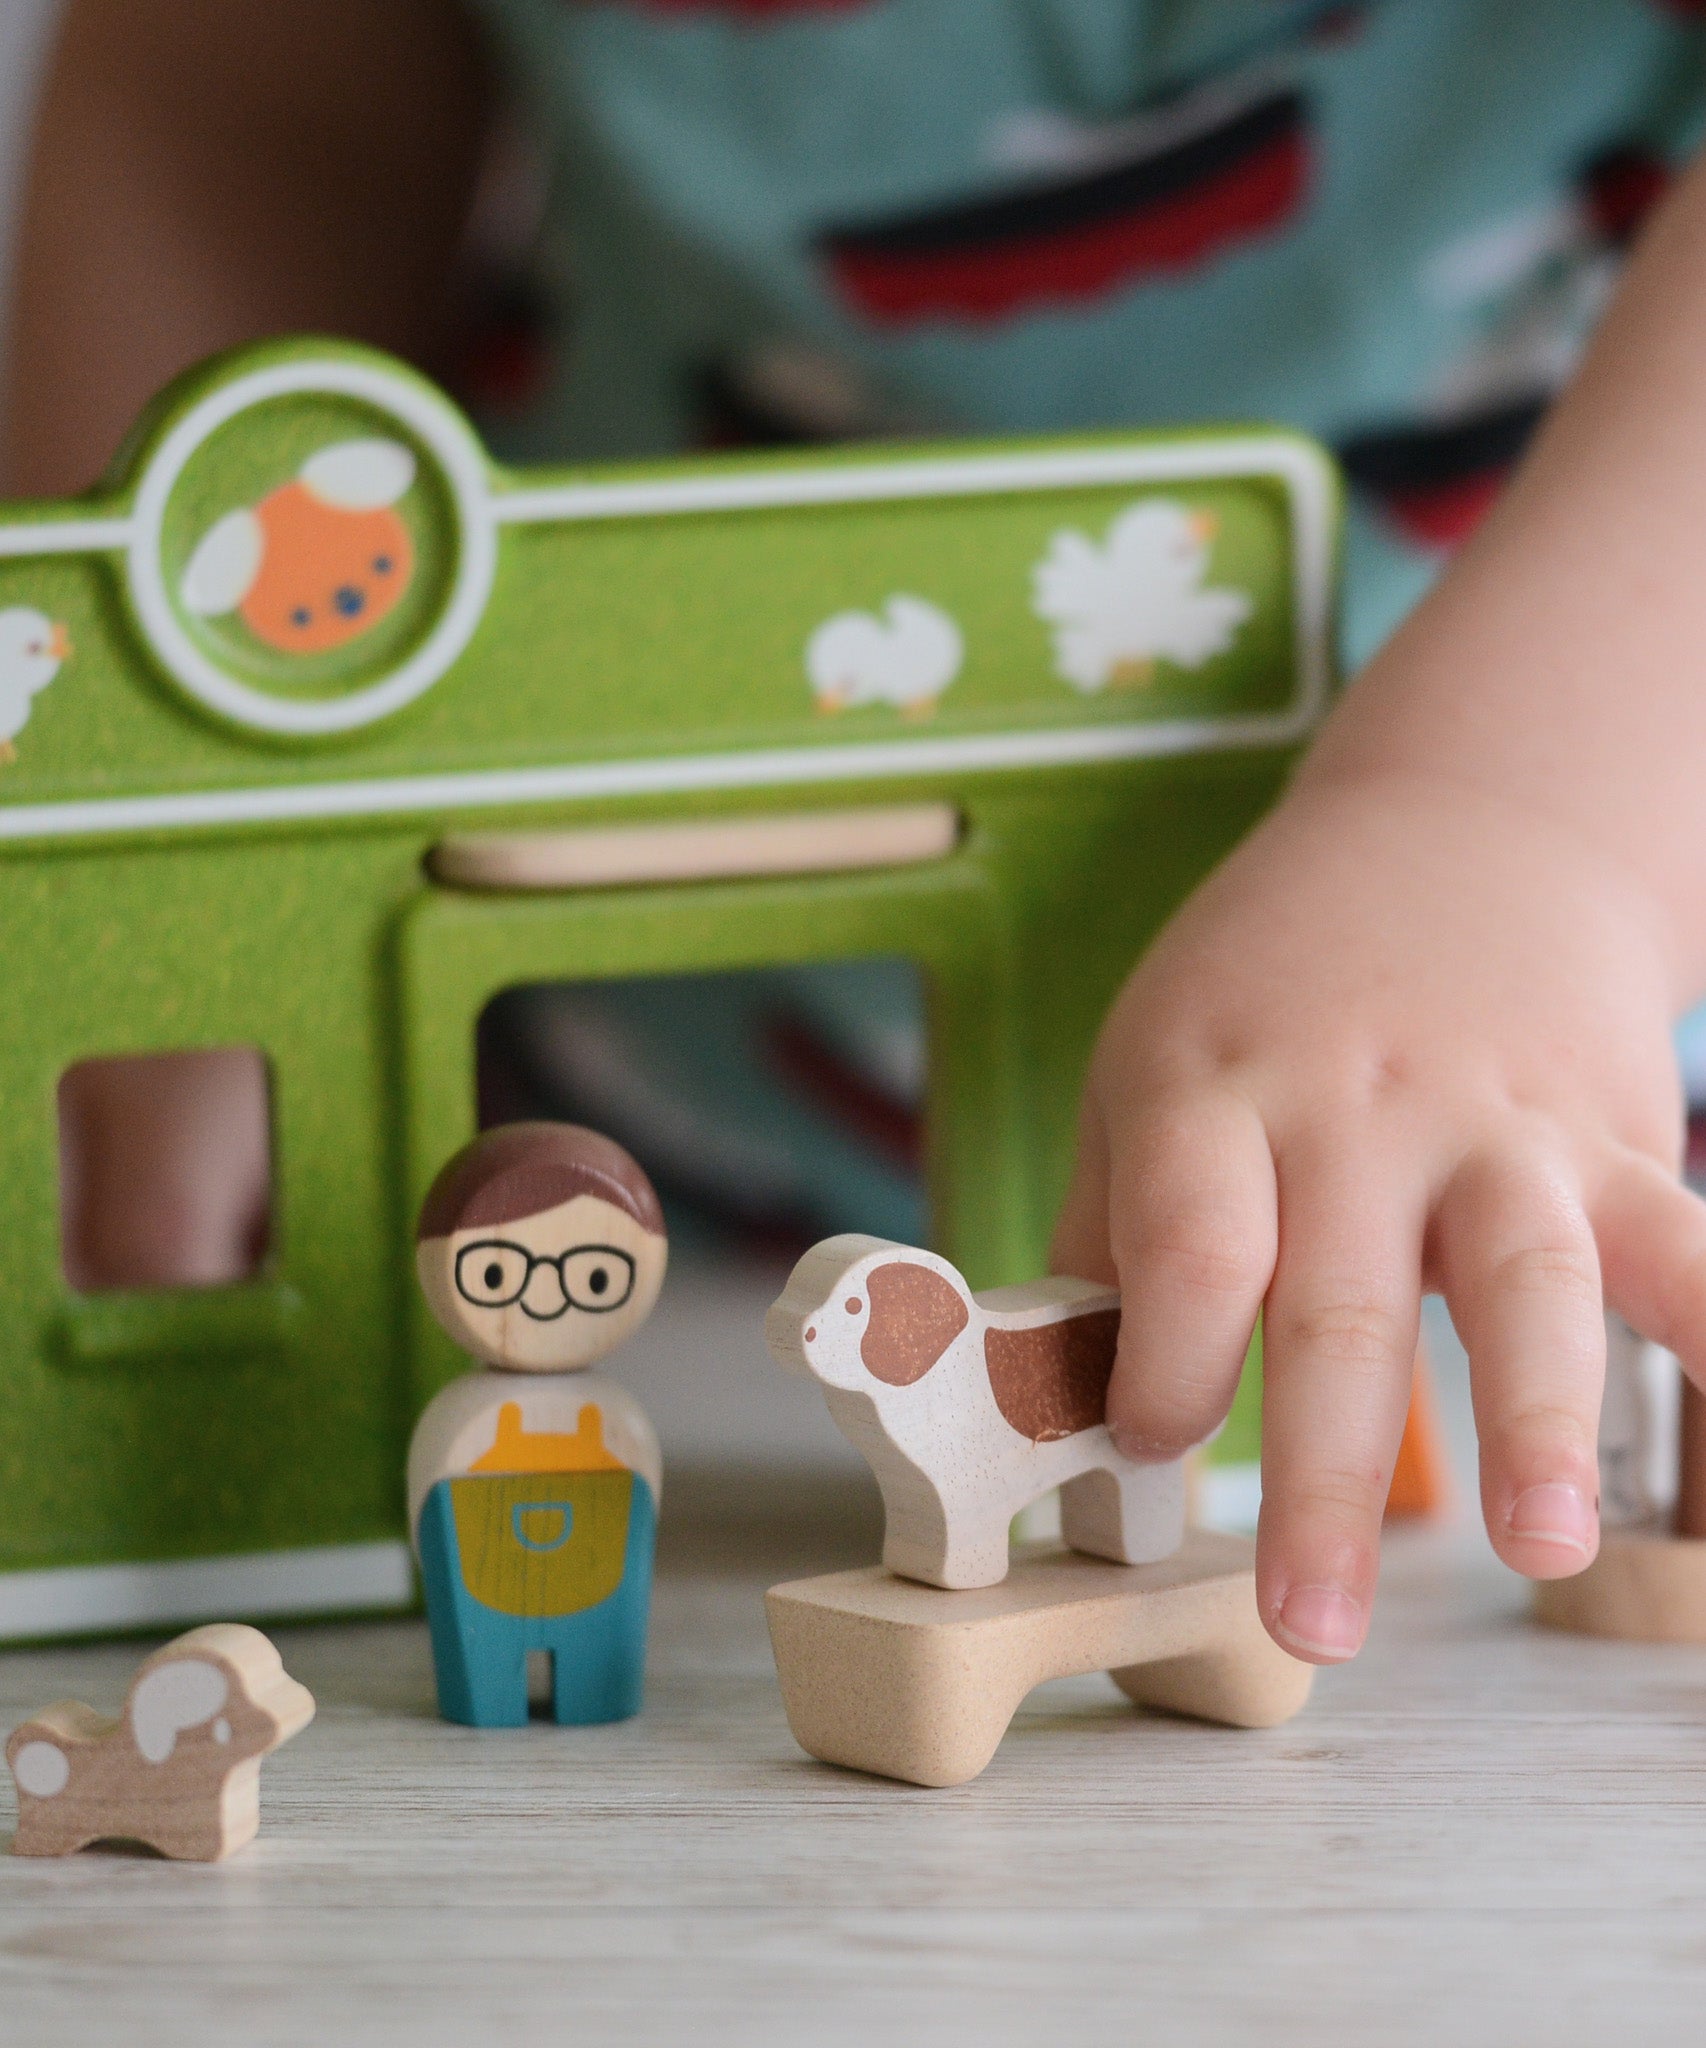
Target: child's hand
x,y
1415,1032
1410,1036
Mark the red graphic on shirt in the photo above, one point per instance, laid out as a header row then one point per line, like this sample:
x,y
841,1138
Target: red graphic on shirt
x,y
1155,196
1338,25
1443,516
860,1104
1620,186
1436,480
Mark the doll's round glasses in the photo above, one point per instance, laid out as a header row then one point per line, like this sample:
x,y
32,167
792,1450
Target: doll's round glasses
x,y
494,1273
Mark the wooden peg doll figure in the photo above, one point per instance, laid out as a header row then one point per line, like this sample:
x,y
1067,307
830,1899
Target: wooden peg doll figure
x,y
533,1485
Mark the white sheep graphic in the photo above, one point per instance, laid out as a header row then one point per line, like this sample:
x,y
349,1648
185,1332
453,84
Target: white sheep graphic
x,y
1138,598
32,646
856,658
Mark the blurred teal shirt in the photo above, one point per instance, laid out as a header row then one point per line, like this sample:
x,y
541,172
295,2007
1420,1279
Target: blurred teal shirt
x,y
1391,225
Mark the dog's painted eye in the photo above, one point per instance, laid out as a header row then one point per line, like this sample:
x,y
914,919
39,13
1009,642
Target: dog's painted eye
x,y
852,1304
382,565
302,616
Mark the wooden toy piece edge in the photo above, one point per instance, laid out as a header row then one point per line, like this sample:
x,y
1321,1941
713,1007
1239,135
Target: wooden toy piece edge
x,y
206,1829
255,1658
1647,1585
917,1683
786,843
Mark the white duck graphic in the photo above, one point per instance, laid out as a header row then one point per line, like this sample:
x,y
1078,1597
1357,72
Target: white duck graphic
x,y
907,658
1138,598
32,646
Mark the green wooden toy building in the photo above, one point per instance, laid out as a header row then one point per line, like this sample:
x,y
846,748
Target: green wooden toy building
x,y
265,699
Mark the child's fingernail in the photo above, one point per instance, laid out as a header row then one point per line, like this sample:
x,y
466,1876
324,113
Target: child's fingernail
x,y
1141,1448
1321,1621
1553,1513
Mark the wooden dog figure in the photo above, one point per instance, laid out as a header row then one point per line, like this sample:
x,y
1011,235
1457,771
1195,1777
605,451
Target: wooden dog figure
x,y
968,1407
179,1770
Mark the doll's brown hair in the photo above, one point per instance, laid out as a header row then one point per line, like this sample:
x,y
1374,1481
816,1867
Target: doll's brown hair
x,y
519,1169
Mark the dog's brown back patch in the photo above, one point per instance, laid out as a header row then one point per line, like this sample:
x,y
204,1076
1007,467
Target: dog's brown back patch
x,y
1052,1381
915,1316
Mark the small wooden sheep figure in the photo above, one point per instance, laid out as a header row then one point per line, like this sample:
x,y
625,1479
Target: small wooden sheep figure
x,y
969,1407
179,1770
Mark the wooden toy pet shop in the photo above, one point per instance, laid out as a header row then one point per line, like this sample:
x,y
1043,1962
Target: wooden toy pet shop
x,y
179,1770
533,1485
968,1407
1648,1582
319,729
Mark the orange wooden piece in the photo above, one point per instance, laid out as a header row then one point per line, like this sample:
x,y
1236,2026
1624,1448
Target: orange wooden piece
x,y
1420,1480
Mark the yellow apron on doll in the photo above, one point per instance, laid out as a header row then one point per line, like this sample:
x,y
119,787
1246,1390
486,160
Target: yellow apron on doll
x,y
545,1542
542,1543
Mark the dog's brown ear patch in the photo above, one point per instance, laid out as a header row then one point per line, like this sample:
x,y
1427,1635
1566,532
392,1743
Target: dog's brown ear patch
x,y
915,1316
1052,1381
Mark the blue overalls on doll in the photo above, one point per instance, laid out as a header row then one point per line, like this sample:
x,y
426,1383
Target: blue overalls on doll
x,y
564,1561
533,1486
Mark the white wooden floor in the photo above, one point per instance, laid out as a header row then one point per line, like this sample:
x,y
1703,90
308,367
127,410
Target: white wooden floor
x,y
1477,1834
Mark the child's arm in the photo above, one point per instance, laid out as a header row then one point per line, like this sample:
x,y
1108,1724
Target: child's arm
x,y
1415,1032
203,173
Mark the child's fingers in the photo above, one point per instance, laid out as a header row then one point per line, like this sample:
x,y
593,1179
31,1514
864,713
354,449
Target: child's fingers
x,y
1081,1231
1338,1350
1652,1250
1193,1225
1518,1267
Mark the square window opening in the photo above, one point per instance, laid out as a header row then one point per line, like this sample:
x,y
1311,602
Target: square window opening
x,y
165,1169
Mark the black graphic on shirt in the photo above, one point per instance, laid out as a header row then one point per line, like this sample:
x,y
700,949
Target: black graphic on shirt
x,y
1180,184
1435,478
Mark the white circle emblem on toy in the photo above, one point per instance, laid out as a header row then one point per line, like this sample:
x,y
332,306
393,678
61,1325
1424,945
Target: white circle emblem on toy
x,y
212,575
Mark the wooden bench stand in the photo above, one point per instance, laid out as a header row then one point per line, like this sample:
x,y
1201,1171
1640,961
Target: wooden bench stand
x,y
912,1682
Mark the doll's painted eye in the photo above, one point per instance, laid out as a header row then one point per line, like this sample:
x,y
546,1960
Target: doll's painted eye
x,y
597,1277
491,1274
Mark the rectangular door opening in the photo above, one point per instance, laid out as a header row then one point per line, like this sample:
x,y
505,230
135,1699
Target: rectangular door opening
x,y
770,1107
